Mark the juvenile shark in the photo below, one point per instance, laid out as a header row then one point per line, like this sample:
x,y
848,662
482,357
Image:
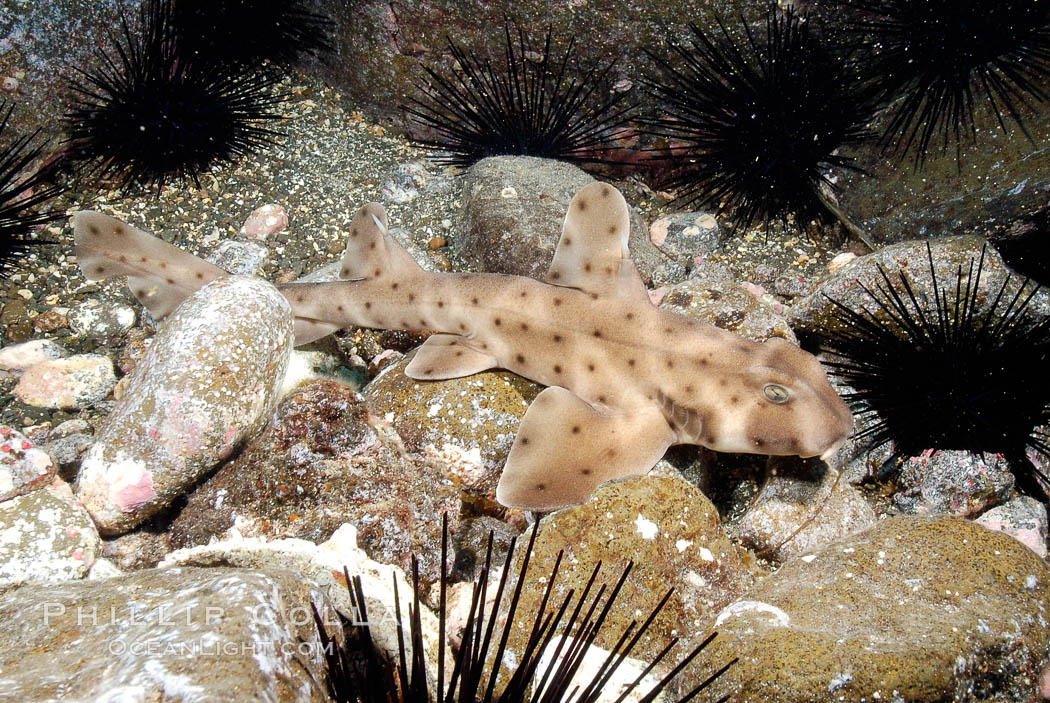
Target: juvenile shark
x,y
625,379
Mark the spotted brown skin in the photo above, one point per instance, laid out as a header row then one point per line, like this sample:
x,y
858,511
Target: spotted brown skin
x,y
625,379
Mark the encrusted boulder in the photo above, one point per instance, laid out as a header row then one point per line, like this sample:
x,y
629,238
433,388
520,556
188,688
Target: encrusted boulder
x,y
208,381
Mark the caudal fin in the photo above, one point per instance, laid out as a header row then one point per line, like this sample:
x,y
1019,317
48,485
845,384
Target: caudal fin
x,y
159,275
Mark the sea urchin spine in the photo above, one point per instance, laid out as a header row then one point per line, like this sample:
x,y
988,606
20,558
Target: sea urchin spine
x,y
756,125
150,113
946,375
530,107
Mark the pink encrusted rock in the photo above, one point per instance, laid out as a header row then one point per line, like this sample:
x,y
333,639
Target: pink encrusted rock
x,y
23,467
210,379
76,382
266,220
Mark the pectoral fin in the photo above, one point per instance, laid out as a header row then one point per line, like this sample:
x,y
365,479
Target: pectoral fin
x,y
565,448
447,356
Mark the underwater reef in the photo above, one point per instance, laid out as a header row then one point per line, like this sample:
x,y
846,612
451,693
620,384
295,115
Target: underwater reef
x,y
238,513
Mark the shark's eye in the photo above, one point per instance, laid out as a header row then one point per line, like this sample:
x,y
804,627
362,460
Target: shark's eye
x,y
775,393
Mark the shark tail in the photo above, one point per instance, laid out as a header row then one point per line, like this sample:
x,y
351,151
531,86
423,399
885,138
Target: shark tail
x,y
159,275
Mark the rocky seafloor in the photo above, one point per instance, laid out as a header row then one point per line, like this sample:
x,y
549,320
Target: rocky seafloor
x,y
269,469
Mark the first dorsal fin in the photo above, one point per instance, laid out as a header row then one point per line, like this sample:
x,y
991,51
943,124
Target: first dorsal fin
x,y
159,275
592,253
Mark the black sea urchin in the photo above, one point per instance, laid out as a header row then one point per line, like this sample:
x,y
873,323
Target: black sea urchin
x,y
21,193
951,373
357,673
532,107
249,31
756,124
149,113
935,60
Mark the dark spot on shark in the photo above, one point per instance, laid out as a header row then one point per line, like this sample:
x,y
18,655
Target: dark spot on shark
x,y
590,367
94,229
524,440
200,276
576,429
520,358
587,267
497,322
555,275
582,205
556,338
630,362
557,368
566,241
524,327
394,285
473,301
171,281
441,303
377,273
597,333
585,472
411,297
541,486
612,229
606,190
164,264
353,232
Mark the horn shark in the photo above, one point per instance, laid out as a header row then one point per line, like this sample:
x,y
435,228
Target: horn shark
x,y
625,380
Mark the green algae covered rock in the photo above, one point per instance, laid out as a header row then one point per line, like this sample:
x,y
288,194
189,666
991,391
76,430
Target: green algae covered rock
x,y
914,609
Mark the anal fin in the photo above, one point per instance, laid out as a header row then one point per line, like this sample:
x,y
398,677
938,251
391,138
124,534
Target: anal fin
x,y
447,356
566,448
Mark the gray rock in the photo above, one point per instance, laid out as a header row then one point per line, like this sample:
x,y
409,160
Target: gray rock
x,y
240,258
403,183
23,467
322,463
1022,518
815,312
914,609
952,483
513,211
101,319
802,506
19,357
192,635
47,536
323,564
728,305
74,382
208,381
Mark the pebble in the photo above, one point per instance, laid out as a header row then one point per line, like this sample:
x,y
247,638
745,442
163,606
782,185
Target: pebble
x,y
209,380
241,258
1022,518
101,319
23,467
75,382
46,535
19,357
265,221
952,482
